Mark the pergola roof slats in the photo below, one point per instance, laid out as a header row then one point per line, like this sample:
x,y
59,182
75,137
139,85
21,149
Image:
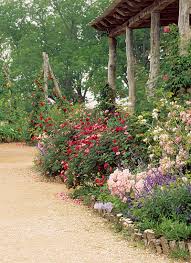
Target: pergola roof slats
x,y
135,14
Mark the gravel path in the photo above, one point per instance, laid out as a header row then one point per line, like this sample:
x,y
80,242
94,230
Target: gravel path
x,y
37,227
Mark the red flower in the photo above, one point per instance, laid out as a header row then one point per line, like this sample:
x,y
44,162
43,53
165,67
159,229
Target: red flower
x,y
166,29
106,165
122,121
63,125
115,149
118,129
69,151
165,77
42,103
65,110
100,182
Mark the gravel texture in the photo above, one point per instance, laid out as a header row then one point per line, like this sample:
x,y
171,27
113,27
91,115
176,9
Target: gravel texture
x,y
36,226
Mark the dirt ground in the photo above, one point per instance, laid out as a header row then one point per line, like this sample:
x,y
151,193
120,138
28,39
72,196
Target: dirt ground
x,y
38,227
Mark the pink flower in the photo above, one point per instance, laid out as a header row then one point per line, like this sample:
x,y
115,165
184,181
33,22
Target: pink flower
x,y
106,165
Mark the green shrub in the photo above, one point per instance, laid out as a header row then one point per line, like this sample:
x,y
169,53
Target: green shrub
x,y
174,230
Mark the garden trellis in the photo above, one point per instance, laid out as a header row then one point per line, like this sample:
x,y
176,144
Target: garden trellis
x,y
124,16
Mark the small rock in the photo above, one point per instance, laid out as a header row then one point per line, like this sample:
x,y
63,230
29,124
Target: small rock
x,y
182,245
152,246
125,225
145,238
158,246
137,236
150,234
165,245
119,215
189,247
173,245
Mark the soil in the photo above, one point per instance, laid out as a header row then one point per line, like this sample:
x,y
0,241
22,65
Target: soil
x,y
37,226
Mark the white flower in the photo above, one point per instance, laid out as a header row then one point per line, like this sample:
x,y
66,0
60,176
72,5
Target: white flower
x,y
185,179
155,113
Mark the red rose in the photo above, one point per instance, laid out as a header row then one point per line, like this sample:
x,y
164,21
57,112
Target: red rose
x,y
100,182
42,103
106,165
118,129
166,29
165,77
115,149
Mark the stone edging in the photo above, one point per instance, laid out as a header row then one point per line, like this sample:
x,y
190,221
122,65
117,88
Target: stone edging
x,y
157,245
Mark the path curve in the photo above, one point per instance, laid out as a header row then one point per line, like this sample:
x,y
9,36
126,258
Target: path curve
x,y
38,227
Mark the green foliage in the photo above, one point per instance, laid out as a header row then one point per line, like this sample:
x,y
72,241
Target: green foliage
x,y
180,254
175,68
100,194
174,230
167,210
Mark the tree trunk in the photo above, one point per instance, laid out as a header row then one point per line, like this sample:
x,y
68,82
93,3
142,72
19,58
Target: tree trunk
x,y
130,70
184,26
112,65
154,54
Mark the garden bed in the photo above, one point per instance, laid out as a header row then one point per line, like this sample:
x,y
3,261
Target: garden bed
x,y
139,166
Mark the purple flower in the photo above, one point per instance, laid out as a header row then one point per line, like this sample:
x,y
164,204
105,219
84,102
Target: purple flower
x,y
107,207
156,178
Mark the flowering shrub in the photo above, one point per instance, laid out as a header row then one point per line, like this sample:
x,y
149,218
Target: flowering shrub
x,y
86,147
169,137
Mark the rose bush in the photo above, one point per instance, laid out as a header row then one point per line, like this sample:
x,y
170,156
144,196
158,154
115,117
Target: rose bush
x,y
86,147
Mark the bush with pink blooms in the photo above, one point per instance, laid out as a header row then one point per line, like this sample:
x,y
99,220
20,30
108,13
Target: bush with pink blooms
x,y
169,136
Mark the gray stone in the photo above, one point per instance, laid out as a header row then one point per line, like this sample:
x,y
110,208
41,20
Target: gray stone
x,y
145,238
158,246
173,245
137,237
150,234
189,247
119,215
182,245
152,245
165,245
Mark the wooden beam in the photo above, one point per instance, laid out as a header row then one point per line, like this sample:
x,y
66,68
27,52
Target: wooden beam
x,y
154,54
112,63
130,70
184,25
46,71
135,21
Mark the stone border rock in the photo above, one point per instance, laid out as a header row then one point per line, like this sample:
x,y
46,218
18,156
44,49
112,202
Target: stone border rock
x,y
151,241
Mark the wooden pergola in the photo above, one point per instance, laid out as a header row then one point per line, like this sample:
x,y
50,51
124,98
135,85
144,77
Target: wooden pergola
x,y
124,16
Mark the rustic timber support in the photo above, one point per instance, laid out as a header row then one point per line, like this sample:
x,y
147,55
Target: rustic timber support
x,y
49,74
135,21
46,70
184,25
130,70
154,54
112,65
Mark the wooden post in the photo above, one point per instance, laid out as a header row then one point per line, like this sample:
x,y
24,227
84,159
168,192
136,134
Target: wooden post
x,y
184,26
56,88
46,70
112,65
154,54
130,70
